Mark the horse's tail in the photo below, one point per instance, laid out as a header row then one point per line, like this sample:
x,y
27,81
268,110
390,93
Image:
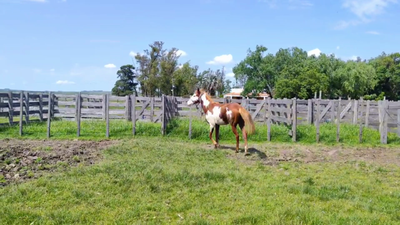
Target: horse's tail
x,y
248,121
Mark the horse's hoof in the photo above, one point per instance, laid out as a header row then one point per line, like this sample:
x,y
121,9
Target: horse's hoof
x,y
247,153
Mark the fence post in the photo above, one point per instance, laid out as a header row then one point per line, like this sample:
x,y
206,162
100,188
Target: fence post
x,y
49,114
269,120
317,120
294,116
107,106
152,109
10,109
310,111
338,119
133,111
27,107
127,108
367,114
383,121
104,106
355,111
398,122
163,116
41,107
21,112
361,122
78,113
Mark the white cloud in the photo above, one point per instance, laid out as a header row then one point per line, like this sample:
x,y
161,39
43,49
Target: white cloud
x,y
373,32
133,54
52,70
222,59
354,58
109,66
230,74
181,53
315,52
338,47
344,24
365,10
65,82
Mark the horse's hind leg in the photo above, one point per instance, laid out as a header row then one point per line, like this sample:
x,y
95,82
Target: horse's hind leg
x,y
244,133
234,130
217,135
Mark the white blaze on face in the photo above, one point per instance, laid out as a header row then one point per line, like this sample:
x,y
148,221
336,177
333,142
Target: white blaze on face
x,y
213,117
192,100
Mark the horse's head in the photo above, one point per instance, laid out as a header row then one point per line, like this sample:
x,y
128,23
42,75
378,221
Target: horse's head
x,y
195,98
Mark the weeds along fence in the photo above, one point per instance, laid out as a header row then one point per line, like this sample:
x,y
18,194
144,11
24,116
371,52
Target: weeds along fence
x,y
24,107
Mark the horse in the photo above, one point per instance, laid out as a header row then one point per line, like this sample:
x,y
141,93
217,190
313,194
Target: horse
x,y
223,114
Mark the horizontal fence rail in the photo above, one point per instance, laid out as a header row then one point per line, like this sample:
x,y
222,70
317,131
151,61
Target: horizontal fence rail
x,y
24,107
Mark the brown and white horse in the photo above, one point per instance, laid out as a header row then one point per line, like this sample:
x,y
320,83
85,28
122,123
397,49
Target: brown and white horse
x,y
223,114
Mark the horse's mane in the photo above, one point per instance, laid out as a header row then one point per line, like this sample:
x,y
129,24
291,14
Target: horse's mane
x,y
202,91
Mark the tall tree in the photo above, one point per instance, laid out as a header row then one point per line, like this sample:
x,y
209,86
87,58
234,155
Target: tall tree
x,y
156,68
212,81
257,71
387,69
126,83
185,79
357,79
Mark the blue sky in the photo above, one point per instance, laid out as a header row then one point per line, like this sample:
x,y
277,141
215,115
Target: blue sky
x,y
71,45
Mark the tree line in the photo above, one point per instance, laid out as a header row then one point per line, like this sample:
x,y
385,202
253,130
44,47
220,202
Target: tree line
x,y
292,73
157,72
288,73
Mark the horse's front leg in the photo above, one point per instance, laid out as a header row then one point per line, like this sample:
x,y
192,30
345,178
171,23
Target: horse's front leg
x,y
211,133
217,135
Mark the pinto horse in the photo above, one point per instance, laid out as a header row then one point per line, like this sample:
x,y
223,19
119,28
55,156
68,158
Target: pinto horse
x,y
223,114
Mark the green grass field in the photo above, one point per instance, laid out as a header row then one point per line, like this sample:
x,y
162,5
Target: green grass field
x,y
150,179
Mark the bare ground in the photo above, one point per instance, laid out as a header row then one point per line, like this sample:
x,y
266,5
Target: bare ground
x,y
272,154
22,160
26,159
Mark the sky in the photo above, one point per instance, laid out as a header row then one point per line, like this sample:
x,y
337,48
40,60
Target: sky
x,y
71,45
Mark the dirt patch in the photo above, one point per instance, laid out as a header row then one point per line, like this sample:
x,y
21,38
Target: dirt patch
x,y
26,159
272,154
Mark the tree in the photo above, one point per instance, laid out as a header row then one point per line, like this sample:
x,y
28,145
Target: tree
x,y
156,68
212,81
387,69
257,71
126,84
357,79
185,79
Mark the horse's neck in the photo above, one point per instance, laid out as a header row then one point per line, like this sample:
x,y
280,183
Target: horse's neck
x,y
206,103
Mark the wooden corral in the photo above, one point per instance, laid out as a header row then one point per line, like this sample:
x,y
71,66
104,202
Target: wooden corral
x,y
381,115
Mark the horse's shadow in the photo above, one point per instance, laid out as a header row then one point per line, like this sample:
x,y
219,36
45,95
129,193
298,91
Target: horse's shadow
x,y
251,151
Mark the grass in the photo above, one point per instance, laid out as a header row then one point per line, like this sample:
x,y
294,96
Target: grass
x,y
96,129
153,180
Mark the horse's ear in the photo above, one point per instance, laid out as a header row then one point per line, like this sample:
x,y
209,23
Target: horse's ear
x,y
198,91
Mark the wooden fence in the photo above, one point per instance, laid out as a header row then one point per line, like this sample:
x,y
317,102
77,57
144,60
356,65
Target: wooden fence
x,y
381,115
